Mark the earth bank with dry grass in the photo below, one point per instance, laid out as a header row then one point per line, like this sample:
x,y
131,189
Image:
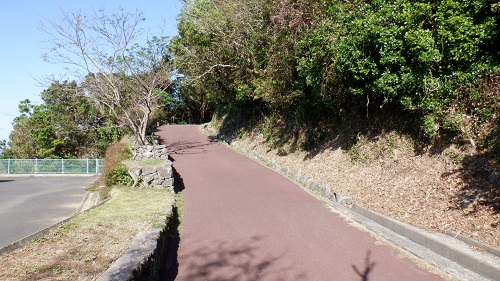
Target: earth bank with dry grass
x,y
387,174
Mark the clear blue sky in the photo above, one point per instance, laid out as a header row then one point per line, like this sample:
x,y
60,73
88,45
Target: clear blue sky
x,y
22,43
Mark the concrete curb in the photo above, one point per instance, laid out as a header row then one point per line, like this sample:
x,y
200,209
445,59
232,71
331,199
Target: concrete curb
x,y
480,264
474,243
86,201
485,266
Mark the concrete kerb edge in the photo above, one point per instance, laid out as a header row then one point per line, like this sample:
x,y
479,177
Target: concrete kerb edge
x,y
84,200
408,232
473,242
421,237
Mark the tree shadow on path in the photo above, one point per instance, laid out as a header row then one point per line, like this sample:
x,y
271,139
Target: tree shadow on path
x,y
236,260
364,273
186,147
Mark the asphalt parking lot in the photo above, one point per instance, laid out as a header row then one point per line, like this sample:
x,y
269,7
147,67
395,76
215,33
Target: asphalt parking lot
x,y
30,204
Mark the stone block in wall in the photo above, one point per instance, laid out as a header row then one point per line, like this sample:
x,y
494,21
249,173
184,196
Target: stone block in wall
x,y
169,182
160,176
157,182
135,174
166,170
149,170
143,152
148,179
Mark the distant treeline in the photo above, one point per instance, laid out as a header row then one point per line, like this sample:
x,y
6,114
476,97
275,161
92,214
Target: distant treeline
x,y
65,125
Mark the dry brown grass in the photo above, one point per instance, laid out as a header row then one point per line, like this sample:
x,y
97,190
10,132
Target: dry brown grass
x,y
84,248
143,163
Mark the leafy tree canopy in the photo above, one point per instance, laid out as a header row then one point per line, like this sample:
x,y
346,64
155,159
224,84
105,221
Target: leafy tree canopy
x,y
311,60
66,125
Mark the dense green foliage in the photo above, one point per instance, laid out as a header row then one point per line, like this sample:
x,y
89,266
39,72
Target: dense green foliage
x,y
314,61
426,57
66,125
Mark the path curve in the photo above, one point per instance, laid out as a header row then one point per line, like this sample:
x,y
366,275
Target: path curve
x,y
242,221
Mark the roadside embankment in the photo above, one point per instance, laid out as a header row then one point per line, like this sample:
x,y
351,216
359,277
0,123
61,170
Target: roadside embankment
x,y
447,248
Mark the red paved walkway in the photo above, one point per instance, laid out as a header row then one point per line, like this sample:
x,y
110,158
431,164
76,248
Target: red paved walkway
x,y
242,221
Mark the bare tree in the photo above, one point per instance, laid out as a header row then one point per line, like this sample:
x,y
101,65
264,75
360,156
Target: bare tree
x,y
124,78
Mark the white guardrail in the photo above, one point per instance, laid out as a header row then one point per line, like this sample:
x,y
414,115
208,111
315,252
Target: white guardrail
x,y
50,166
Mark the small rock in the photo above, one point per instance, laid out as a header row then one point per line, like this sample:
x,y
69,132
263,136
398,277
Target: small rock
x,y
494,176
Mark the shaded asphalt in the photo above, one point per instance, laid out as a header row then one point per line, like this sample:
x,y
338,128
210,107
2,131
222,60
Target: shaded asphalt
x,y
242,221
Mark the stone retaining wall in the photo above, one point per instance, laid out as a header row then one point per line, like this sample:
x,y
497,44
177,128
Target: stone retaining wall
x,y
144,152
153,177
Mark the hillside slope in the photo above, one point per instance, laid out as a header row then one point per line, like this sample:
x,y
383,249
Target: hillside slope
x,y
451,190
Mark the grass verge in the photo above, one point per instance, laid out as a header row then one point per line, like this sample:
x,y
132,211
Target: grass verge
x,y
84,247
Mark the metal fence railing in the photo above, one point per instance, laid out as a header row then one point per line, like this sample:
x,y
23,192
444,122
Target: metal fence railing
x,y
50,166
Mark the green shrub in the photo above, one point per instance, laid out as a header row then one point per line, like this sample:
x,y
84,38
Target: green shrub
x,y
114,172
429,126
428,57
118,176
